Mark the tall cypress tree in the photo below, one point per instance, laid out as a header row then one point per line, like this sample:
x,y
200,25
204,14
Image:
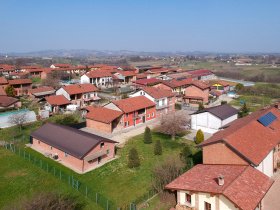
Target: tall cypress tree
x,y
147,136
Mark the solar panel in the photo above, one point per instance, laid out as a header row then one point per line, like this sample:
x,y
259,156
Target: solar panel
x,y
267,119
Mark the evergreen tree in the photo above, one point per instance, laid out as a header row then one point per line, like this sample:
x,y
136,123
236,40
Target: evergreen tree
x,y
158,148
147,136
10,91
199,137
200,106
186,156
244,111
133,158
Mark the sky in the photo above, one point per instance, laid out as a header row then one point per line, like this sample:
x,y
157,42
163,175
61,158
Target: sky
x,y
140,25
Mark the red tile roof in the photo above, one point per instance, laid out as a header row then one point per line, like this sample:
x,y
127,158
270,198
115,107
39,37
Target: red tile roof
x,y
251,146
62,65
20,81
102,114
146,82
200,84
243,185
3,81
6,101
6,67
127,73
177,83
79,88
133,104
158,93
57,100
41,89
200,72
99,74
30,67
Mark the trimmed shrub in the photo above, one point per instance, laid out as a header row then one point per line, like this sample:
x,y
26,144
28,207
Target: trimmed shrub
x,y
199,137
200,106
133,159
147,136
158,148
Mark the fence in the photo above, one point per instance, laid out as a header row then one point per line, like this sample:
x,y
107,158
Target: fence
x,y
71,180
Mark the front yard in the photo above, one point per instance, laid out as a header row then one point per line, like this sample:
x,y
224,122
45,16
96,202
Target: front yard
x,y
114,180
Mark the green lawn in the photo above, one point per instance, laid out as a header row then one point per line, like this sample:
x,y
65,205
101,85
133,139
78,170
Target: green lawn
x,y
114,180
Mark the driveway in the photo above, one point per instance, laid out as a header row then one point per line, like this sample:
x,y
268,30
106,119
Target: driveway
x,y
271,199
123,135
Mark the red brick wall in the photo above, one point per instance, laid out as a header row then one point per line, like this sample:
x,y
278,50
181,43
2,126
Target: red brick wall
x,y
195,91
74,162
103,127
219,153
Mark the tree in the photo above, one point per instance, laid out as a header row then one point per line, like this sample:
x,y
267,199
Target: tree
x,y
18,119
158,148
223,102
174,123
244,111
239,87
53,79
199,137
68,119
133,159
200,106
147,136
49,201
10,91
165,172
186,156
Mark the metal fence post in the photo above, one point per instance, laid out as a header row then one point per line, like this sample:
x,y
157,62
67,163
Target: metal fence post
x,y
107,206
86,191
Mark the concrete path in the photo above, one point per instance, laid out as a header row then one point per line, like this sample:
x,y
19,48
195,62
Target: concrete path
x,y
271,199
123,135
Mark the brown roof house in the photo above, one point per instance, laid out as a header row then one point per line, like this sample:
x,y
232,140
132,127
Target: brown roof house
x,y
9,102
197,92
41,92
76,149
79,94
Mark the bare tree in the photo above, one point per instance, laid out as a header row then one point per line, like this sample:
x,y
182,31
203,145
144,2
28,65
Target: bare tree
x,y
174,123
18,119
166,172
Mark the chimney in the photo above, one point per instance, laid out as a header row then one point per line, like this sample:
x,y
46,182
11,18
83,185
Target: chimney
x,y
221,180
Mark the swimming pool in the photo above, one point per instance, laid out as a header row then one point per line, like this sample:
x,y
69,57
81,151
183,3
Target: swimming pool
x,y
5,117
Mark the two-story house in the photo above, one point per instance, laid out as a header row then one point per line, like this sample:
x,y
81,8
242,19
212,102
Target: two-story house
x,y
79,94
238,163
99,78
197,92
21,86
136,110
164,99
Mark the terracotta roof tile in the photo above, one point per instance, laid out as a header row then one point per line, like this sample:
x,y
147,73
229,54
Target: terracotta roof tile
x,y
3,81
2,92
253,146
158,93
243,185
57,100
133,104
200,72
41,89
99,74
146,82
20,81
102,114
80,88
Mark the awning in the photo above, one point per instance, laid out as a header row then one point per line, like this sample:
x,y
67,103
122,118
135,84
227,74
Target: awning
x,y
95,155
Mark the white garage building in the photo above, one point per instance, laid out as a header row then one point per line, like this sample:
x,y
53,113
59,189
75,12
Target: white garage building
x,y
210,120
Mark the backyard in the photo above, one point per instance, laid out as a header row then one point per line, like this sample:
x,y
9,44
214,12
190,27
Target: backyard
x,y
114,180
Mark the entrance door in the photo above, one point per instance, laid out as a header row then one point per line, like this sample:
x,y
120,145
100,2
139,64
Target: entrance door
x,y
143,119
99,159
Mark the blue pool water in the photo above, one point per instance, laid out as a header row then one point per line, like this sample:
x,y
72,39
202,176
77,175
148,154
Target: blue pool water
x,y
5,117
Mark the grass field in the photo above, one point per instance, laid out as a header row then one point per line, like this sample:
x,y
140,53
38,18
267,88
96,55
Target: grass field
x,y
114,180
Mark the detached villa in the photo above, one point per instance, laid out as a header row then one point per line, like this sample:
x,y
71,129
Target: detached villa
x,y
76,149
238,163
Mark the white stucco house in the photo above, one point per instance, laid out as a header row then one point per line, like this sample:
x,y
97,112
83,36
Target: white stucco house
x,y
210,120
99,78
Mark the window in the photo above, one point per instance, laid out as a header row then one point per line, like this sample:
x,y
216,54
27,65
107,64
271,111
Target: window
x,y
65,154
126,114
148,115
126,123
153,114
188,198
102,145
108,151
207,206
